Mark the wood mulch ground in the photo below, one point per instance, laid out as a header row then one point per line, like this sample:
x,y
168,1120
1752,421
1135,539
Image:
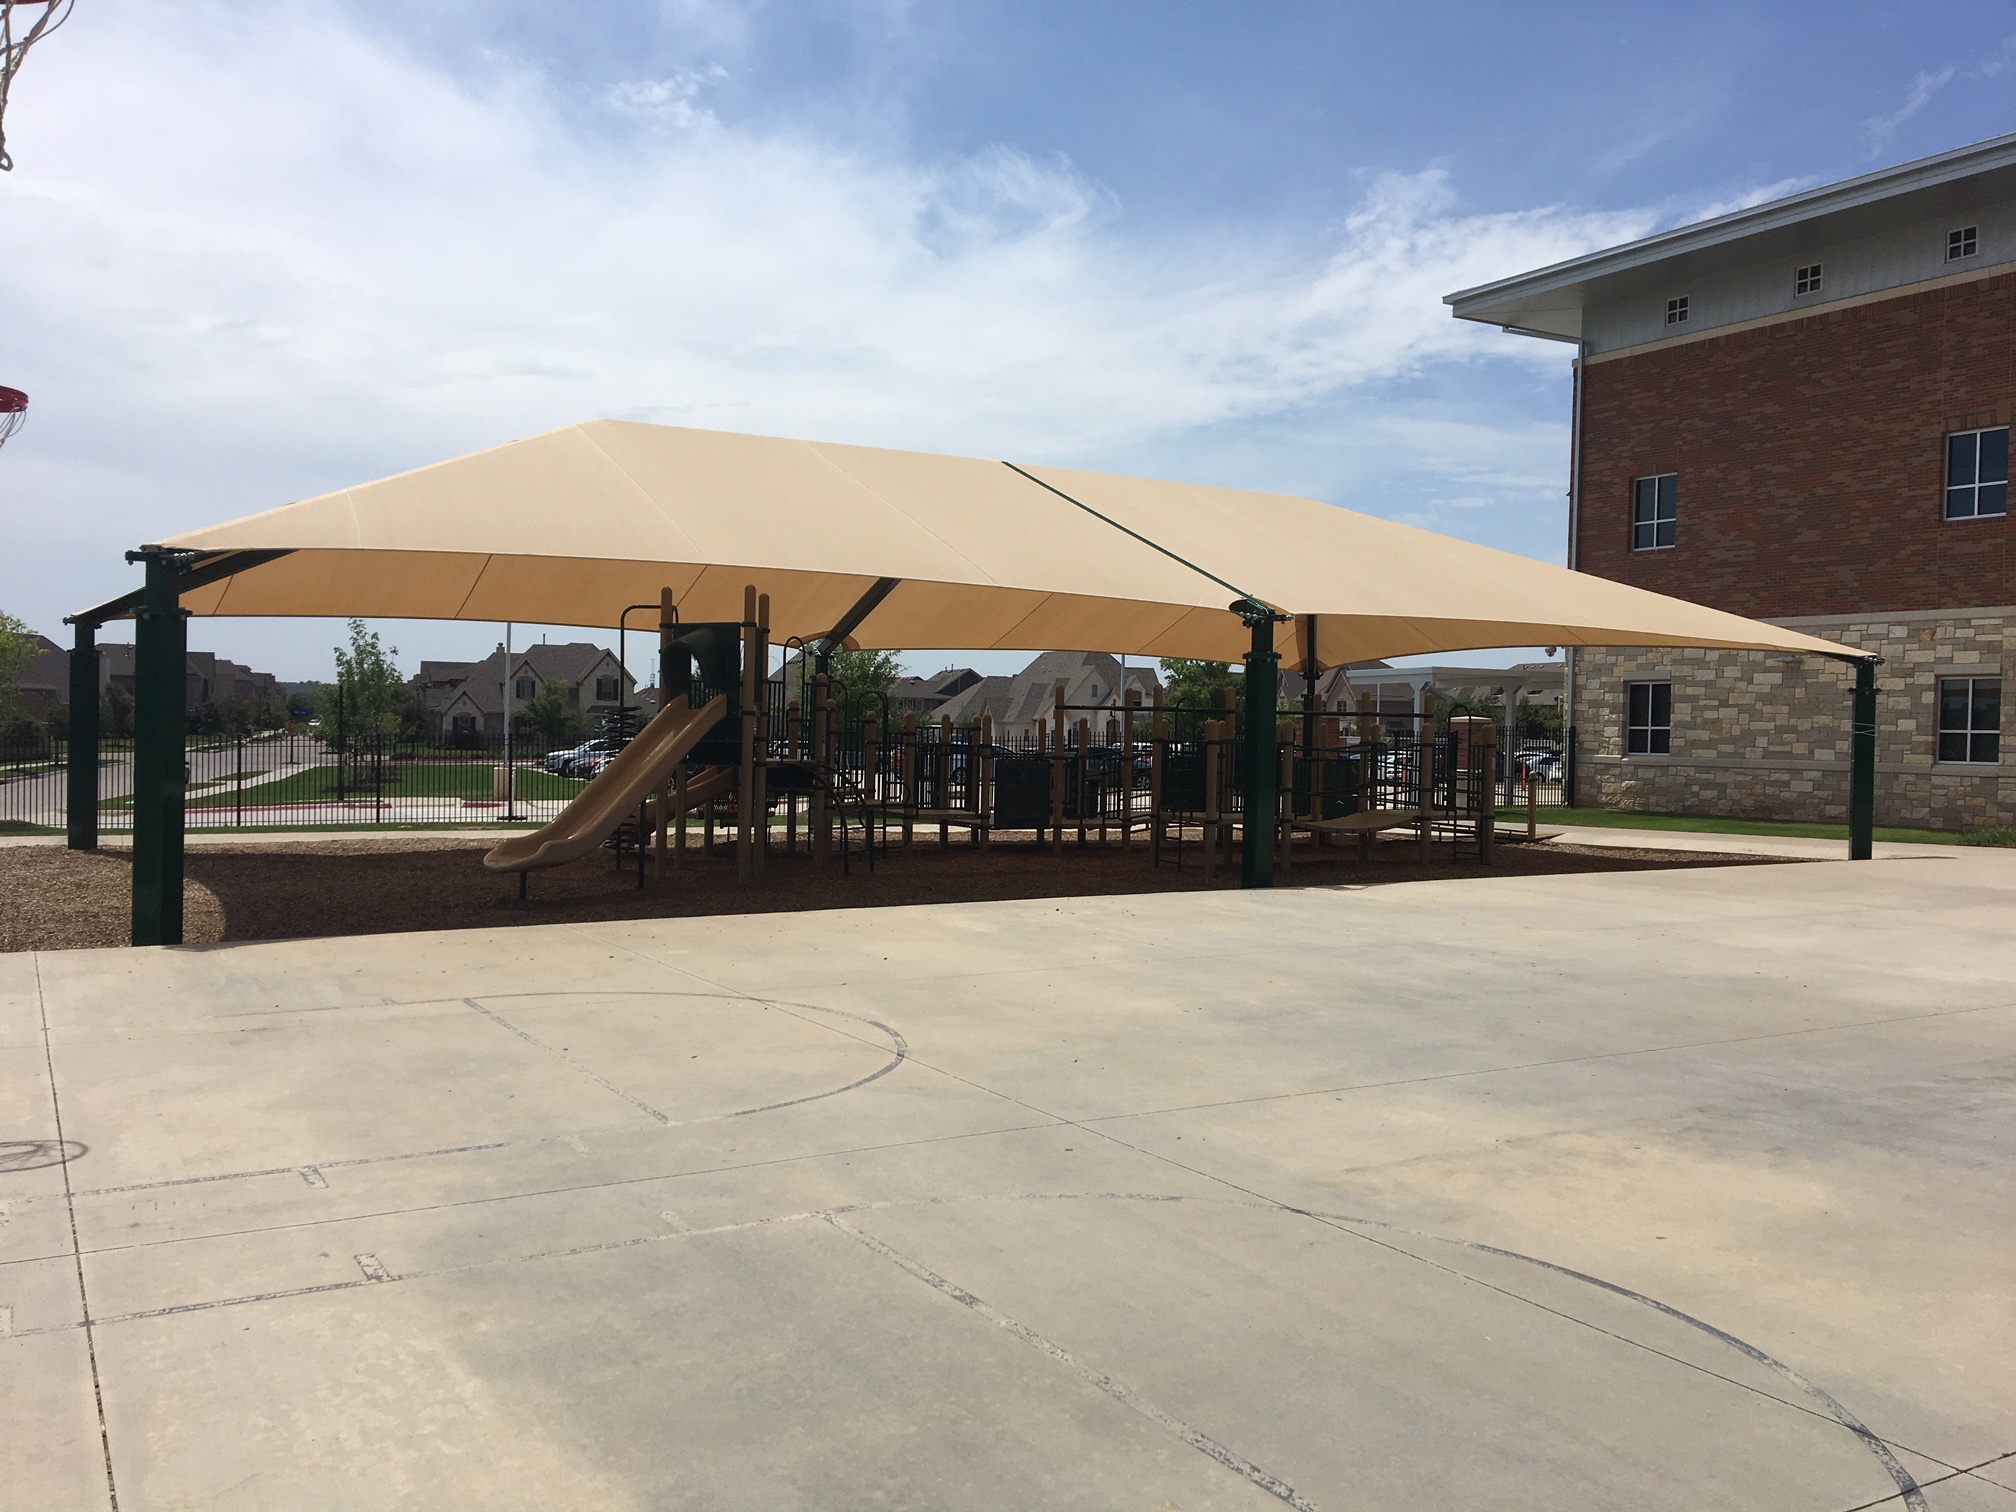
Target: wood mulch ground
x,y
57,899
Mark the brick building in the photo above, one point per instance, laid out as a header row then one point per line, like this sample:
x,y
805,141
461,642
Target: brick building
x,y
1800,413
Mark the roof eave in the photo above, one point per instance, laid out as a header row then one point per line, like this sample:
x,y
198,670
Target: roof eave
x,y
1870,188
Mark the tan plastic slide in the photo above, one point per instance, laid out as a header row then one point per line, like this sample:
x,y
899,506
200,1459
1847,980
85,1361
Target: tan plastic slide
x,y
643,768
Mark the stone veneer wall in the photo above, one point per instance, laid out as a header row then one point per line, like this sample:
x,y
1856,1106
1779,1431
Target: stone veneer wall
x,y
1767,737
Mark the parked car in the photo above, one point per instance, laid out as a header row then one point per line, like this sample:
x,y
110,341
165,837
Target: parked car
x,y
559,761
1538,766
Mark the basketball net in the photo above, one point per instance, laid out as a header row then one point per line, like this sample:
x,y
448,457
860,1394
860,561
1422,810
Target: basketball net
x,y
38,18
13,410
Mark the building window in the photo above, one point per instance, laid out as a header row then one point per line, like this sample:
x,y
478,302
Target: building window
x,y
1648,721
525,690
1977,473
605,689
1676,311
1655,512
1806,280
1970,719
1962,243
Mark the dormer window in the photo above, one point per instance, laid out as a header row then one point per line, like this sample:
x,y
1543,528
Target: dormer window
x,y
1806,280
1676,311
1964,242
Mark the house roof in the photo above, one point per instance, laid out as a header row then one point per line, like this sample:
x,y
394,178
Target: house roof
x,y
941,684
1031,694
48,669
1549,301
569,527
571,662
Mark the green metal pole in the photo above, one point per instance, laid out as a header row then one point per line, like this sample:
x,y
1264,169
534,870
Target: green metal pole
x,y
1261,687
82,804
160,738
1862,768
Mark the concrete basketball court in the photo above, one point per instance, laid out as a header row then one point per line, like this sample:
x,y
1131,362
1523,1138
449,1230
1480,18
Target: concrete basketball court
x,y
1684,1189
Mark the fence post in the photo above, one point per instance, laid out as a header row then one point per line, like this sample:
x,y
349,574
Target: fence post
x,y
1059,774
745,786
81,772
1158,734
983,776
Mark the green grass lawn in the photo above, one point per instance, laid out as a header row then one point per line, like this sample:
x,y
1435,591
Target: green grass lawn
x,y
1699,825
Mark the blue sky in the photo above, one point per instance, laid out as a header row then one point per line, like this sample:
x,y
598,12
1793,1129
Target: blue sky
x,y
252,252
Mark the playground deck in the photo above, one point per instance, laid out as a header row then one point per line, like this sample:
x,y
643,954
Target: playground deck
x,y
1671,1189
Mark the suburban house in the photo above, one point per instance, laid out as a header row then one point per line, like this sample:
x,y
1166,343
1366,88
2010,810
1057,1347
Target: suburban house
x,y
1798,412
1397,691
208,679
468,697
45,683
1093,684
924,696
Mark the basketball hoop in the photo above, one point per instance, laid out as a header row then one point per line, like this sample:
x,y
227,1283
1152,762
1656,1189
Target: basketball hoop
x,y
38,19
13,410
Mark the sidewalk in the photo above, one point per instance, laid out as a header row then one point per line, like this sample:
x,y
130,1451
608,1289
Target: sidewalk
x,y
1747,845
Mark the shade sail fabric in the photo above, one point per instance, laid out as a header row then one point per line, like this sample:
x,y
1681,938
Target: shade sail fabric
x,y
573,526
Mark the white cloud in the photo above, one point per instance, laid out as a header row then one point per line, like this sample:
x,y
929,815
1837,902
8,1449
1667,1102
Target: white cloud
x,y
1763,194
253,253
1996,62
668,102
1880,129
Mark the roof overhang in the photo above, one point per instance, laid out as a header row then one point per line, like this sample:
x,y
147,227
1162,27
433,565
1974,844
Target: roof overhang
x,y
1549,302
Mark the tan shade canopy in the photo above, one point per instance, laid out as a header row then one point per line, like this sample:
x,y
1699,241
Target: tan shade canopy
x,y
570,527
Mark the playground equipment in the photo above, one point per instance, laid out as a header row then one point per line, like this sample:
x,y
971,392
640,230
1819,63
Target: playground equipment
x,y
644,766
719,749
730,748
39,18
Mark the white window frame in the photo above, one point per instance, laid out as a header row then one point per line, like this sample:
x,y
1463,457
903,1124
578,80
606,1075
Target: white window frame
x,y
1969,731
1655,734
1971,491
1962,242
1656,518
1806,280
1677,310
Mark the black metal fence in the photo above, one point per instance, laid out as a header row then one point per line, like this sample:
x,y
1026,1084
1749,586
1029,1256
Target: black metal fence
x,y
289,779
1106,778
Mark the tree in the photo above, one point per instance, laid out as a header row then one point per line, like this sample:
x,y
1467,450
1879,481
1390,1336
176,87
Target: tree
x,y
859,681
372,692
547,712
1197,684
17,650
115,712
1539,721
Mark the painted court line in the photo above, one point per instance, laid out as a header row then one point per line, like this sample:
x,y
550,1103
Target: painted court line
x,y
1202,1442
